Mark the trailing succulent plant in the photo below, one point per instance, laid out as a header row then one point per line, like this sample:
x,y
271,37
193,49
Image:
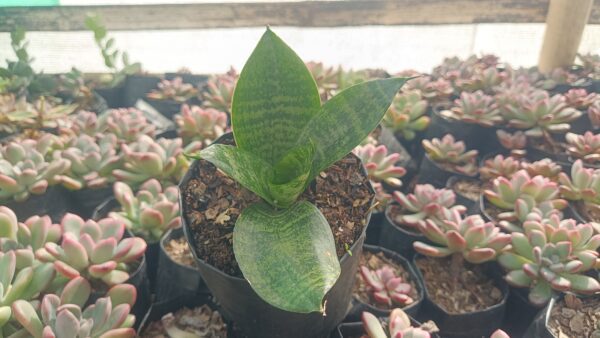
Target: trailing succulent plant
x,y
425,203
197,124
126,123
150,212
582,185
540,115
499,166
276,98
94,250
26,168
146,158
580,99
399,326
65,315
452,154
175,90
515,142
522,194
471,237
545,167
584,147
552,255
218,93
380,166
92,162
385,288
406,116
477,108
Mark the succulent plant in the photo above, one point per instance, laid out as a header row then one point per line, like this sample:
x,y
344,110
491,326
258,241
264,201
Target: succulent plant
x,y
150,212
64,315
499,334
539,114
385,288
552,255
25,168
84,122
582,185
426,202
474,239
499,166
477,108
175,90
406,116
481,79
399,326
126,123
326,78
92,162
515,142
452,153
382,197
218,93
94,250
13,112
146,158
200,124
579,98
520,194
594,114
585,147
545,167
431,90
201,321
32,234
380,166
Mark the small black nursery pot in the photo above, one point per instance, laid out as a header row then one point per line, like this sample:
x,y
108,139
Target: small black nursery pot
x,y
374,228
432,173
54,203
520,313
397,238
358,306
85,201
194,79
137,86
174,279
114,96
471,205
466,325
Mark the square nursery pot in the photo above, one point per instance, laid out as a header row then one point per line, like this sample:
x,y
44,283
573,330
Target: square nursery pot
x,y
239,303
356,330
466,325
396,238
137,86
54,203
174,279
152,249
358,306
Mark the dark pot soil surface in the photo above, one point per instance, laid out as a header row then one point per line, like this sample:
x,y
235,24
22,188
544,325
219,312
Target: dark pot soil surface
x,y
179,250
215,201
574,317
472,291
377,261
198,322
470,189
587,212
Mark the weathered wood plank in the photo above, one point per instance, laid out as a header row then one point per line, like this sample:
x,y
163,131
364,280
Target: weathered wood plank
x,y
322,13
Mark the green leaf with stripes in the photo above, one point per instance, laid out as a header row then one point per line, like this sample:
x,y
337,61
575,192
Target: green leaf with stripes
x,y
288,255
274,99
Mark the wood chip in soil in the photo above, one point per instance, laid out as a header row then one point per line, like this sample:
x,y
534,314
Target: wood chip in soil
x,y
214,201
574,317
471,291
377,261
467,188
179,251
200,322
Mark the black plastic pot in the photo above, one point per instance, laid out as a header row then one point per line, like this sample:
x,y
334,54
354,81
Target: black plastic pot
x,y
396,238
256,318
374,228
536,154
137,86
352,330
440,126
85,201
520,313
168,108
412,310
112,95
194,79
467,325
562,88
431,173
472,206
174,279
53,203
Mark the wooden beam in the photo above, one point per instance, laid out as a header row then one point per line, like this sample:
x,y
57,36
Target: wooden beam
x,y
321,13
564,29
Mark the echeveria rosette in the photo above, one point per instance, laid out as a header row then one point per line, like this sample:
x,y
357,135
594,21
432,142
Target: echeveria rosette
x,y
380,166
284,138
26,168
406,116
384,287
126,123
197,124
94,250
150,212
218,93
399,326
499,166
585,147
92,162
582,185
452,153
477,108
552,255
474,239
65,315
175,90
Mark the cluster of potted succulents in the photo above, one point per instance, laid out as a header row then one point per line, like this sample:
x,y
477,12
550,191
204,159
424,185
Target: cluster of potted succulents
x,y
476,187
